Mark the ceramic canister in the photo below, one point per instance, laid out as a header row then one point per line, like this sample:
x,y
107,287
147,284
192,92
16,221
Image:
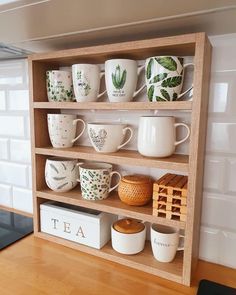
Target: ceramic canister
x,y
128,236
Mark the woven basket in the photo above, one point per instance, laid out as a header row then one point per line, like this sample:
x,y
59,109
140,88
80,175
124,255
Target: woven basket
x,y
135,190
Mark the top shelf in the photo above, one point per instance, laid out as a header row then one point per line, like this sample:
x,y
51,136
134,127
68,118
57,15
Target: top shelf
x,y
167,105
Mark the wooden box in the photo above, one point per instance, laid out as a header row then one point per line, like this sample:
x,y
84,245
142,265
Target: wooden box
x,y
77,224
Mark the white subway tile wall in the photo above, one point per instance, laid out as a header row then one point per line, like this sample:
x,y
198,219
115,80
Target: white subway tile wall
x,y
15,154
218,230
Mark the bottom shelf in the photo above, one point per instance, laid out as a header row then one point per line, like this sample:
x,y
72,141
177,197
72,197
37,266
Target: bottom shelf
x,y
143,261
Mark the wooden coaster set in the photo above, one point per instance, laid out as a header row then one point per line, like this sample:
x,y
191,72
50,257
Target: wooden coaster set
x,y
170,197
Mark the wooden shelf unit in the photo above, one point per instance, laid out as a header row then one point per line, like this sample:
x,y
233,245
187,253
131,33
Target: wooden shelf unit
x,y
196,45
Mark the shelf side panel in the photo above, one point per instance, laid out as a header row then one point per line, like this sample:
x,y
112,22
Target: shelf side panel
x,y
202,63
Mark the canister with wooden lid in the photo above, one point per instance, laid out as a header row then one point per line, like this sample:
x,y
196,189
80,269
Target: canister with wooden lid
x,y
128,236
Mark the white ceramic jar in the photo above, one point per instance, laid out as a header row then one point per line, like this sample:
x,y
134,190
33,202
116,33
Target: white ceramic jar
x,y
128,236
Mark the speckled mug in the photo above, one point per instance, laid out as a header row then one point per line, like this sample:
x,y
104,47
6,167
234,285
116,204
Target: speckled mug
x,y
95,180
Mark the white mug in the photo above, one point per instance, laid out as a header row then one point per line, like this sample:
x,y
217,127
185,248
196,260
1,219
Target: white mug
x,y
62,129
157,136
164,78
95,180
108,137
121,76
59,85
165,242
61,174
86,82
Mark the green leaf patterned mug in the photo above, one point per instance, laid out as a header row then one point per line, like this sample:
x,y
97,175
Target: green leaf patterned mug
x,y
95,180
164,78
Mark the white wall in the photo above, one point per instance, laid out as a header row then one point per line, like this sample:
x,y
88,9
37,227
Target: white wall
x,y
218,231
15,154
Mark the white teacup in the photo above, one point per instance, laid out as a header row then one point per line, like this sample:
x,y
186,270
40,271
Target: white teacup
x,y
157,136
86,82
108,137
59,85
165,242
61,174
62,129
121,76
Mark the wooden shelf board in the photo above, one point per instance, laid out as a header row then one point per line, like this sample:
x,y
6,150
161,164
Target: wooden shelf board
x,y
143,261
123,157
168,105
111,205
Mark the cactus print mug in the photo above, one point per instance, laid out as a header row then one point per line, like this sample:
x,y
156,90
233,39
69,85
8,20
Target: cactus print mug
x,y
164,78
95,180
121,76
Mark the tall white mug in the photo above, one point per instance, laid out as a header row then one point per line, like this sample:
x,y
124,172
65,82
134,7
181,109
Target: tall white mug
x,y
86,82
157,136
121,76
165,242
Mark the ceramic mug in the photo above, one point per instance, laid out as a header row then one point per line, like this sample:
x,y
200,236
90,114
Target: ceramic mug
x,y
95,180
86,82
59,85
108,137
121,76
165,242
62,129
157,136
61,174
164,77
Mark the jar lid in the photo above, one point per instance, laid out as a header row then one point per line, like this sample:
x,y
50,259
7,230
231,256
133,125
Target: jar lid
x,y
128,226
136,179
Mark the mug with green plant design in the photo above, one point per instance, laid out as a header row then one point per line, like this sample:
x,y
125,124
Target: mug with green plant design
x,y
164,77
59,85
121,76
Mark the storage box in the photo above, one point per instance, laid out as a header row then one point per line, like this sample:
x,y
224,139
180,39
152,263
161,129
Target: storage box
x,y
77,224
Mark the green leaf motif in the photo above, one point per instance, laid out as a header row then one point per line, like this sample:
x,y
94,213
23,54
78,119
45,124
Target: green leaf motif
x,y
158,98
165,94
172,82
150,92
175,96
119,80
149,69
167,62
159,78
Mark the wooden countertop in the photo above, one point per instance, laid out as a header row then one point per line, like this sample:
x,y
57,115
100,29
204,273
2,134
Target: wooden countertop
x,y
34,266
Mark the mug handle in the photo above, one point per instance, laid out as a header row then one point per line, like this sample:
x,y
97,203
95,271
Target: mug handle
x,y
186,137
101,94
124,132
191,87
116,185
77,165
84,126
143,86
181,245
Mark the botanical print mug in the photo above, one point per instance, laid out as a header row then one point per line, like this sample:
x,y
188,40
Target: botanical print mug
x,y
121,76
61,174
164,78
86,82
59,85
95,180
108,137
157,136
165,242
62,129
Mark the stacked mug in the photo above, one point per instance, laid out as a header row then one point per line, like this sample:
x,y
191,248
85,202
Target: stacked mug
x,y
164,76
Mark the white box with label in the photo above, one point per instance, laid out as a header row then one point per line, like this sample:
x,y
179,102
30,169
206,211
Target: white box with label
x,y
85,226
